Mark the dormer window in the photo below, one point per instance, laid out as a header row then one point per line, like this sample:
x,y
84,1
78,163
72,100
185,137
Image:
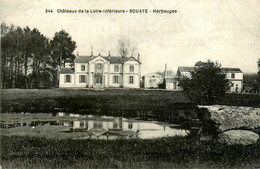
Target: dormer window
x,y
131,68
83,67
116,68
233,75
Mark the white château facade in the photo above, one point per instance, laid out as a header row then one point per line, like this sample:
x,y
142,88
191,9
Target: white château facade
x,y
99,72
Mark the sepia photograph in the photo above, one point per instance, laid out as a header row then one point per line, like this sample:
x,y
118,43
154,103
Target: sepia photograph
x,y
130,84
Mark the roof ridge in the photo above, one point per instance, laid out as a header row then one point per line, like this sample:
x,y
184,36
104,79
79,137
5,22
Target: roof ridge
x,y
111,59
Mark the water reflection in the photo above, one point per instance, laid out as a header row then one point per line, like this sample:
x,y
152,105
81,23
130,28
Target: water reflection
x,y
101,127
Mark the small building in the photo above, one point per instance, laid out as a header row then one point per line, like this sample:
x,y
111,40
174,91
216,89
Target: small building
x,y
234,75
99,72
172,83
152,80
185,71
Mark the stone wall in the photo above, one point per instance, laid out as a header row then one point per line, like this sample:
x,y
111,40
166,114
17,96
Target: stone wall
x,y
231,124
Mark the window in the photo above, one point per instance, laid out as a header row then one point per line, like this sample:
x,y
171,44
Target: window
x,y
131,79
82,67
232,84
130,125
116,68
232,75
82,79
115,125
115,80
131,68
175,85
98,80
98,124
98,66
67,79
81,124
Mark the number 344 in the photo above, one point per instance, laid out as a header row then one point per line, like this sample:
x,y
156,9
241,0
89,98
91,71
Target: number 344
x,y
48,11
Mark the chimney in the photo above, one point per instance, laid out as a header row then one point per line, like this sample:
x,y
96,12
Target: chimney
x,y
165,71
108,54
91,50
138,57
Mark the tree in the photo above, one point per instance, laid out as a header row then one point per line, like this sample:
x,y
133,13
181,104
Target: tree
x,y
258,65
62,47
25,58
40,50
126,48
11,56
258,78
207,84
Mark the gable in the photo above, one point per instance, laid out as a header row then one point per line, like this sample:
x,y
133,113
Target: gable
x,y
134,59
98,59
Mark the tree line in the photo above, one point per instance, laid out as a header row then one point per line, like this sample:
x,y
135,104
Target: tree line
x,y
31,60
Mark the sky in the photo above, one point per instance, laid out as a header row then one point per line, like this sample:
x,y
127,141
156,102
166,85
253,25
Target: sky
x,y
227,31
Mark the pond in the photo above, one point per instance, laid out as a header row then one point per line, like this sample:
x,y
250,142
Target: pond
x,y
78,126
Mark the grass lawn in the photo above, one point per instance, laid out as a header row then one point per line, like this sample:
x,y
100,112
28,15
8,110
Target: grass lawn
x,y
170,152
160,105
126,96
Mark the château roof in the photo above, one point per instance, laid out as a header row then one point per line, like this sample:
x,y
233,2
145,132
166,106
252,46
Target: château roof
x,y
111,59
232,70
67,71
186,68
225,70
84,59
